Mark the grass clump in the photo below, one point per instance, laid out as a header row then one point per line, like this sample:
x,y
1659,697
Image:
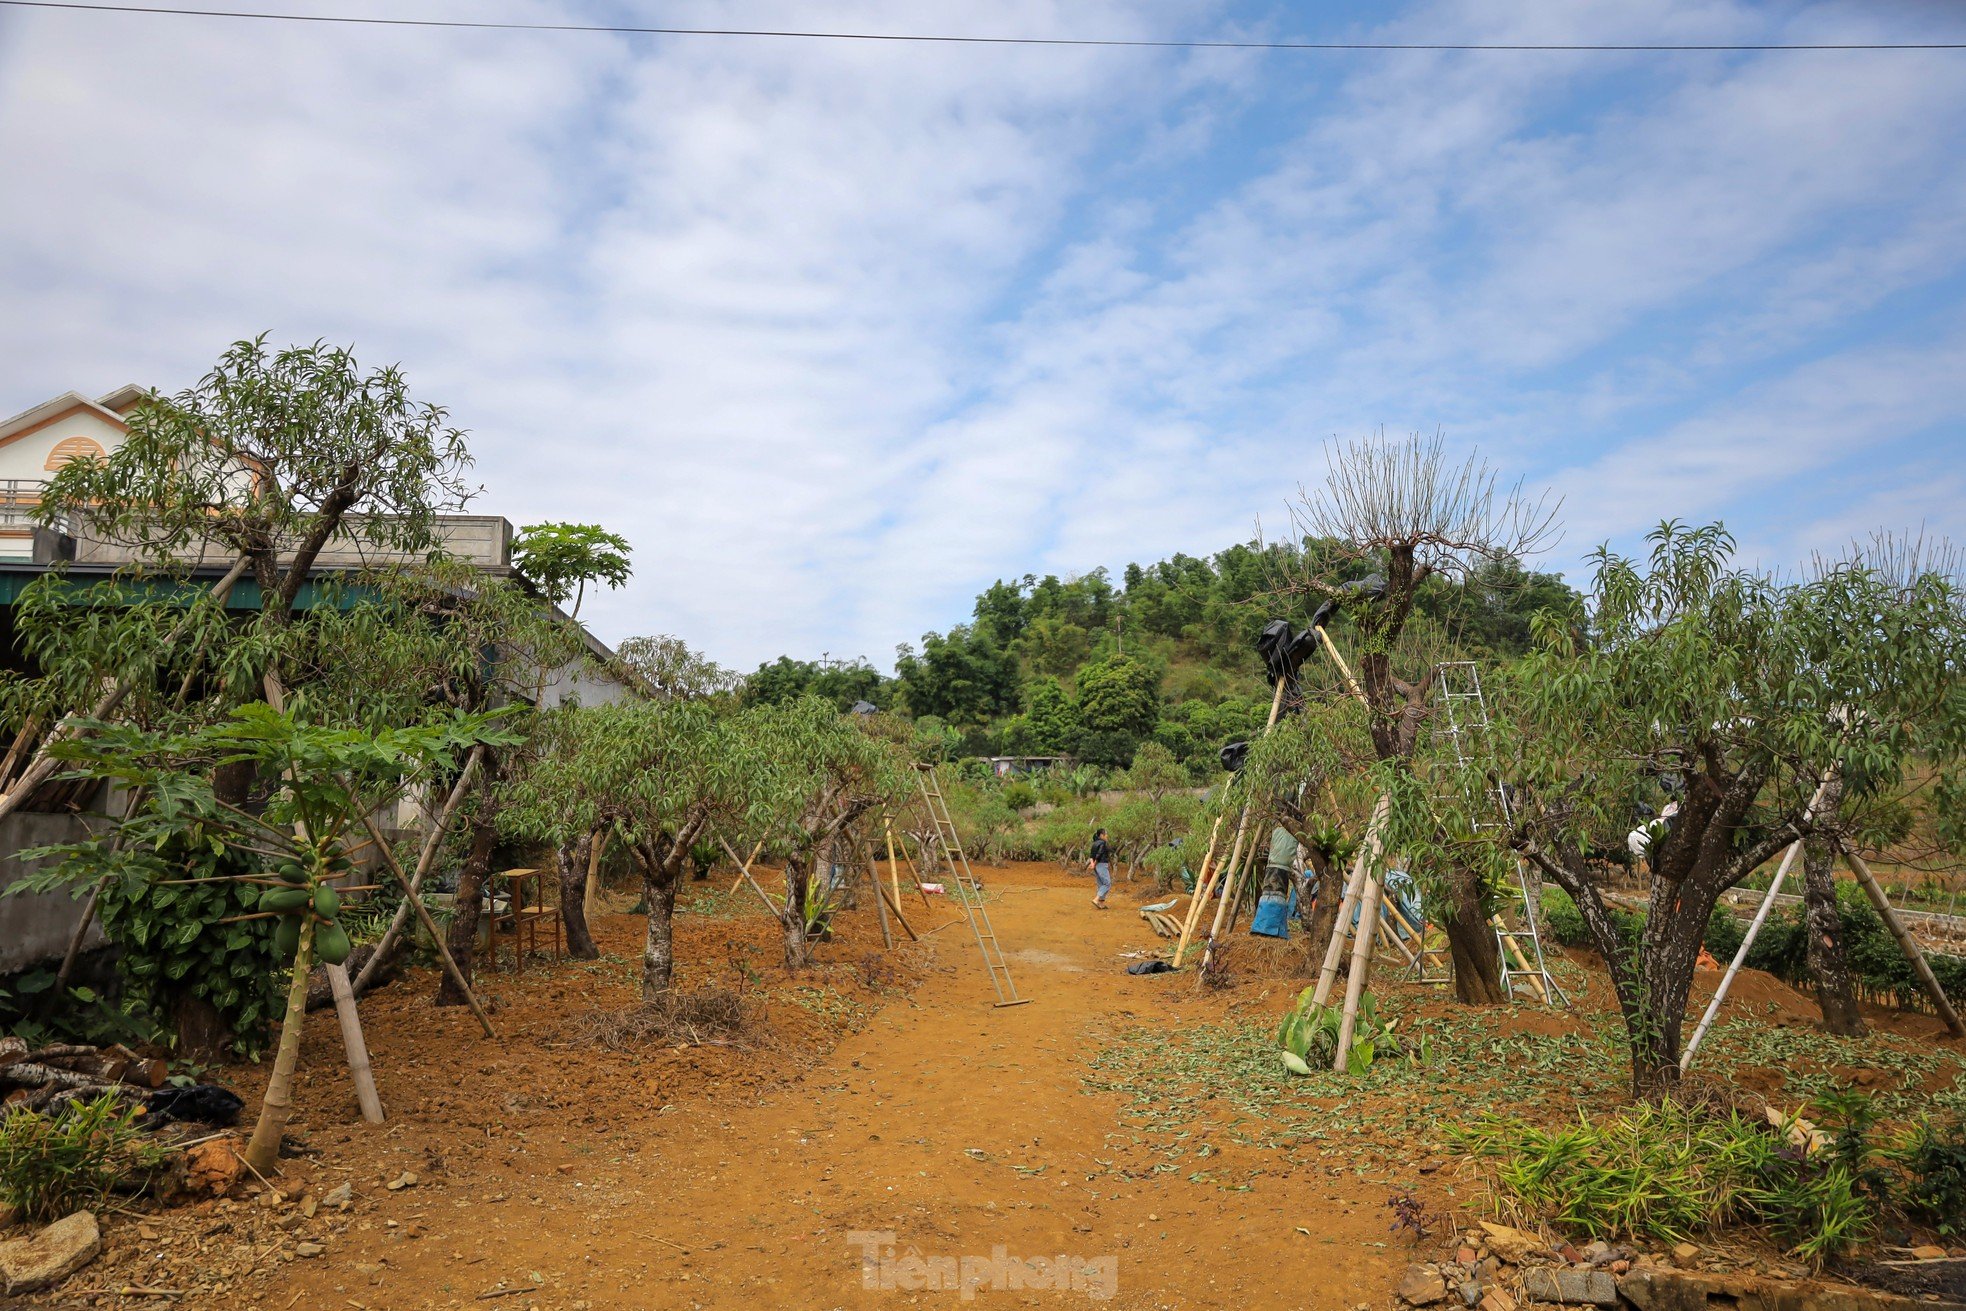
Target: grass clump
x,y
70,1159
1665,1171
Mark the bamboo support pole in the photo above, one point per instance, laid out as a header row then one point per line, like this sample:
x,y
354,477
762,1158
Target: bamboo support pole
x,y
744,873
1361,962
1368,851
357,1046
1235,855
743,866
432,841
1519,959
880,898
422,913
1224,879
893,865
1906,943
1754,930
1204,880
1351,682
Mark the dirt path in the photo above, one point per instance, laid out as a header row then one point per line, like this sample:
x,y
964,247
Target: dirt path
x,y
959,1129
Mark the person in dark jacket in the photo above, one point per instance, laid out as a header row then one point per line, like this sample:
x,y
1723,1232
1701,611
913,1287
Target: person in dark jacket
x,y
1101,866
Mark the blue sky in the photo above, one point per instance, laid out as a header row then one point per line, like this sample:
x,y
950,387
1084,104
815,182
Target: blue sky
x,y
836,334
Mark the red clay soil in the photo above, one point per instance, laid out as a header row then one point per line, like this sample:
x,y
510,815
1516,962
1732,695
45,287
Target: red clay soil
x,y
889,1097
715,1177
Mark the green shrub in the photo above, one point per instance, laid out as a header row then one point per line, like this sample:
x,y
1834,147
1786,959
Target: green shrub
x,y
1663,1172
1933,1159
1565,923
69,1159
1562,920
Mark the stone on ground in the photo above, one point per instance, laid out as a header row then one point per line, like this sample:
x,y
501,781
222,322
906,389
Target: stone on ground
x,y
1422,1286
28,1265
1570,1287
1512,1245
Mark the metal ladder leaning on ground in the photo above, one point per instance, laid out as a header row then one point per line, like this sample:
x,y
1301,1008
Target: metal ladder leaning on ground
x,y
969,893
1465,723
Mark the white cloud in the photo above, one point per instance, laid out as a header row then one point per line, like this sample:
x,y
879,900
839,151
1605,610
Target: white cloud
x,y
836,333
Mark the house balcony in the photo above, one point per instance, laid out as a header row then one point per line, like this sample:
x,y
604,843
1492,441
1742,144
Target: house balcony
x,y
483,540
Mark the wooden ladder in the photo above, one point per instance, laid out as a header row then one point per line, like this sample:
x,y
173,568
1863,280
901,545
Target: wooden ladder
x,y
969,892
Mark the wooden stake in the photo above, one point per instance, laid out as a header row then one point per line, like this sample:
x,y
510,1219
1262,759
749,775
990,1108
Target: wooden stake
x,y
1368,852
744,873
1906,943
1754,929
430,926
1204,880
1361,961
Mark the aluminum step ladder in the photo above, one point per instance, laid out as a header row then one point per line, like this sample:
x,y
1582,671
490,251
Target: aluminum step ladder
x,y
1464,722
969,892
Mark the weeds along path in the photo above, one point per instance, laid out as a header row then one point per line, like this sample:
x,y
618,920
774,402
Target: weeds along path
x,y
960,1129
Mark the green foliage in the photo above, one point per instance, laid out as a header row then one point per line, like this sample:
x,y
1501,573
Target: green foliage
x,y
1307,1040
1118,706
1933,1158
172,942
55,1163
963,677
560,559
1663,1171
785,680
272,446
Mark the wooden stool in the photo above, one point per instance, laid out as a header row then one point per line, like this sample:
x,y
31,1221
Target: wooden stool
x,y
526,896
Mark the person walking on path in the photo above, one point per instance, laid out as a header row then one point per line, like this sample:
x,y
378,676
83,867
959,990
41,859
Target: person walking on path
x,y
1101,866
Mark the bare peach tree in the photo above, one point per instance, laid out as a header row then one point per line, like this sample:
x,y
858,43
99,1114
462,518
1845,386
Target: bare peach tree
x,y
1391,513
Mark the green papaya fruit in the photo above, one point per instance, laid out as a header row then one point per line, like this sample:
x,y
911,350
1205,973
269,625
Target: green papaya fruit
x,y
286,938
284,901
292,873
1294,1063
331,944
327,902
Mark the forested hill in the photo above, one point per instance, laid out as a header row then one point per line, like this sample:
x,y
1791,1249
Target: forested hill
x,y
1086,668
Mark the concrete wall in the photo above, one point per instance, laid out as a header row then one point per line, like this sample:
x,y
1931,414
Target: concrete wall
x,y
484,540
35,927
26,456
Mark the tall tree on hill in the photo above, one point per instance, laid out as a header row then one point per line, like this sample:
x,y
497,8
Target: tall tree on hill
x,y
1402,509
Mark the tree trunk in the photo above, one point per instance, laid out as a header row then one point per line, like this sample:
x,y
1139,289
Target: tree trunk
x,y
202,1033
1823,928
798,880
276,1106
659,879
470,903
1471,942
1318,895
573,898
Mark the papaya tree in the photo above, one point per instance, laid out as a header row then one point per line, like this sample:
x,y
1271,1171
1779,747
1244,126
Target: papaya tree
x,y
1734,697
329,780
